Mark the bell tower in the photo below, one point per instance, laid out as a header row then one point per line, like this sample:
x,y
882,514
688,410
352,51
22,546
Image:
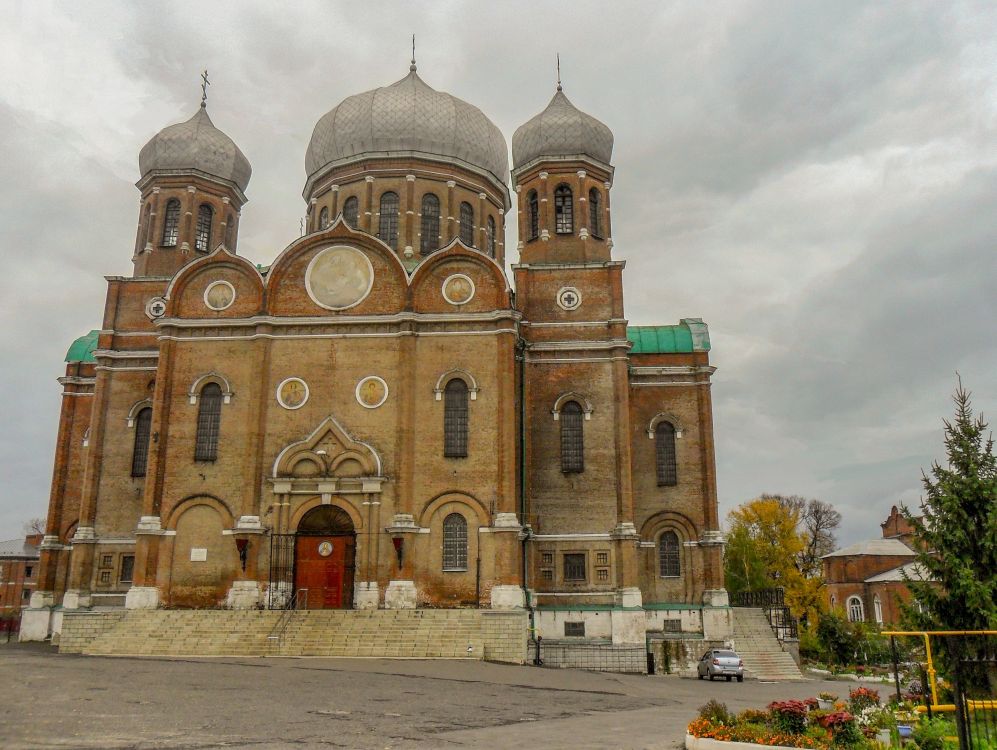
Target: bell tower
x,y
570,291
192,184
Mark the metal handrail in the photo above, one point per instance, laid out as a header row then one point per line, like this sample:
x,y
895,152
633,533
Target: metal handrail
x,y
276,635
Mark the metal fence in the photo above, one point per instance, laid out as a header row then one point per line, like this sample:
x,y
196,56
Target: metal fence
x,y
763,598
974,685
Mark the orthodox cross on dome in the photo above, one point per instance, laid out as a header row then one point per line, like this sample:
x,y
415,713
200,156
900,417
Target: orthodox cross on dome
x,y
412,66
557,56
204,88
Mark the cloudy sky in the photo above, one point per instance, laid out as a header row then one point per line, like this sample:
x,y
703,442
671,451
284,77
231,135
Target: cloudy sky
x,y
817,180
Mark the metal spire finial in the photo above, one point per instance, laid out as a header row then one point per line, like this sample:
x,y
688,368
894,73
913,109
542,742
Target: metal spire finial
x,y
412,66
204,88
558,56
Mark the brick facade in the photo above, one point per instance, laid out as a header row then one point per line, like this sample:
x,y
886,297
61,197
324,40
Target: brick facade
x,y
200,533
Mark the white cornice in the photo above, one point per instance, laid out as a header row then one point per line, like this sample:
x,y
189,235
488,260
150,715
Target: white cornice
x,y
562,346
569,266
317,320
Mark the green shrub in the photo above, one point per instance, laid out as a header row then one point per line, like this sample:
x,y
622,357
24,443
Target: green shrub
x,y
716,712
789,716
930,734
753,716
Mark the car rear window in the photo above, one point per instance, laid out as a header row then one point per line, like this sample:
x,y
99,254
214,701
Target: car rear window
x,y
726,653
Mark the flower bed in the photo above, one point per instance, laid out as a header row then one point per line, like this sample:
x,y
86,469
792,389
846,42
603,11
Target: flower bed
x,y
860,723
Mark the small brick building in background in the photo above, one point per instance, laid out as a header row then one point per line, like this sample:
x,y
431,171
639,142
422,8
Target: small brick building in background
x,y
18,575
866,579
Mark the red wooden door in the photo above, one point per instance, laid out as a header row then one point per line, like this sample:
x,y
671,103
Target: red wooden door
x,y
324,566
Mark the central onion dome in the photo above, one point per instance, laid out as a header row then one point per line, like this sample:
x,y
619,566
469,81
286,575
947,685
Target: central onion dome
x,y
195,146
408,118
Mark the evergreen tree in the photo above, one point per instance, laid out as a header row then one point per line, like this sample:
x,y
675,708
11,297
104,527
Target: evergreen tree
x,y
956,537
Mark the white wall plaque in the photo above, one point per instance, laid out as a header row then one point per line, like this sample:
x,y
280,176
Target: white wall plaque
x,y
198,554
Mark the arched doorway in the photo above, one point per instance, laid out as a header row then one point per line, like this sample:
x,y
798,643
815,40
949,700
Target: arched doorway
x,y
324,558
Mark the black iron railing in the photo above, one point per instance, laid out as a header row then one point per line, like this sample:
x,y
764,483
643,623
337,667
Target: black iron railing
x,y
974,684
763,598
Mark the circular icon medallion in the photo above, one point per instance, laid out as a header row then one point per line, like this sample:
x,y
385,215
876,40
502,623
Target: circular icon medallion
x,y
155,308
372,391
219,295
339,277
458,289
569,298
292,393
325,548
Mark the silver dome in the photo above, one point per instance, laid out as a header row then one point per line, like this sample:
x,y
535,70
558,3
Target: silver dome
x,y
195,145
410,117
561,130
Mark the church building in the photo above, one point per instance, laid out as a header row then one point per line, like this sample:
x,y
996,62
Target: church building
x,y
381,418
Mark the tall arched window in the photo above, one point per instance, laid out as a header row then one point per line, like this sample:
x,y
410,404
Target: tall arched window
x,y
572,438
430,224
140,448
669,560
171,223
351,211
877,606
209,418
146,233
467,224
595,212
856,612
455,398
323,217
490,236
202,234
387,227
532,215
664,454
455,542
564,210
230,231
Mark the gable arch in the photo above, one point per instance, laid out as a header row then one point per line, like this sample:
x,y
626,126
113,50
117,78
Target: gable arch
x,y
572,396
210,377
460,374
220,256
191,501
457,249
309,449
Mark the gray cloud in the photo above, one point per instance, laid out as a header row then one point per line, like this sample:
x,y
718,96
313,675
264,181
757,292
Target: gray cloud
x,y
816,180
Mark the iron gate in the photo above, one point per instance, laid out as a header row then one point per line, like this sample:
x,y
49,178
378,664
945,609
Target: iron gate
x,y
975,687
281,588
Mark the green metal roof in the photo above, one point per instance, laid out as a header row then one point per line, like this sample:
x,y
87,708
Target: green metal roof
x,y
83,348
690,335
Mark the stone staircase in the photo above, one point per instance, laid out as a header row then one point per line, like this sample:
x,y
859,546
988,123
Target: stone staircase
x,y
409,633
761,651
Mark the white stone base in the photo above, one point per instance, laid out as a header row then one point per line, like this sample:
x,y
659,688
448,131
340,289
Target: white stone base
x,y
142,597
629,627
716,598
629,596
41,599
508,597
36,624
718,623
73,599
243,595
366,595
400,595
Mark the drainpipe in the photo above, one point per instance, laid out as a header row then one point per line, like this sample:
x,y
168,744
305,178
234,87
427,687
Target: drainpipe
x,y
521,359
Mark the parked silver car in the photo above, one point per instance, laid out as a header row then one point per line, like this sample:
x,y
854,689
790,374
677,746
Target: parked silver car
x,y
721,663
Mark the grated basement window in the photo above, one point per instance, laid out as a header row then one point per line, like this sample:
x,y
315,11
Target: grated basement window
x,y
574,629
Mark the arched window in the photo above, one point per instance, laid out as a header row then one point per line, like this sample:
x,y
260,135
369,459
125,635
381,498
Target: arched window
x,y
669,560
467,224
430,239
664,454
230,232
564,210
140,449
877,606
209,418
202,235
387,228
147,225
490,236
351,211
532,215
572,438
595,212
455,542
171,223
323,217
856,612
455,396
